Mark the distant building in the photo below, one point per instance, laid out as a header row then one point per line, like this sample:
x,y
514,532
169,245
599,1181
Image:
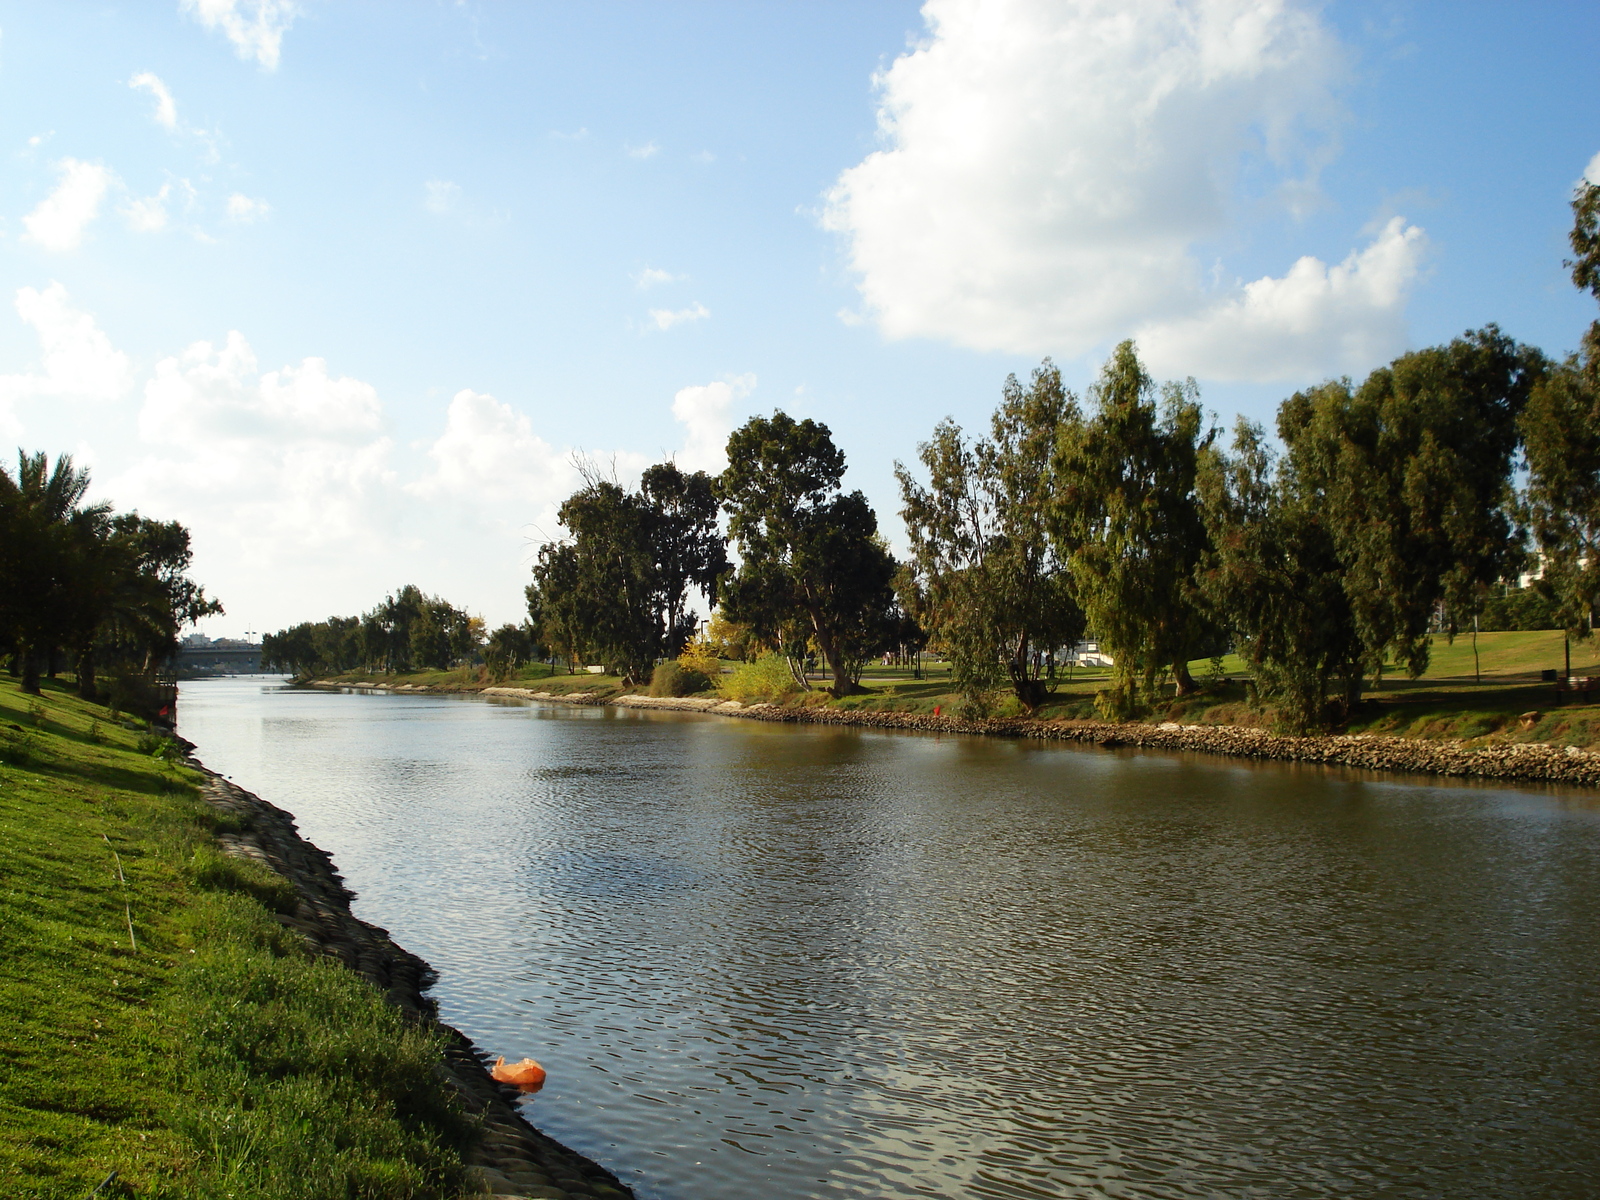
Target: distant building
x,y
1089,654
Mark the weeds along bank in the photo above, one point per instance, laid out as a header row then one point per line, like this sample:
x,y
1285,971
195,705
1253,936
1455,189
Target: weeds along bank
x,y
188,1009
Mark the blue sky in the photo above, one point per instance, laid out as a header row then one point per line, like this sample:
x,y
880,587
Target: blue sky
x,y
344,286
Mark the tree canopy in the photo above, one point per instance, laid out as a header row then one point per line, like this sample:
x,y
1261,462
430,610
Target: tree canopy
x,y
986,580
1127,520
813,569
107,590
618,588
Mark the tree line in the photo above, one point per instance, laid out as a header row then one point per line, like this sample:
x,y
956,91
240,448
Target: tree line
x,y
1389,511
84,586
408,631
1385,512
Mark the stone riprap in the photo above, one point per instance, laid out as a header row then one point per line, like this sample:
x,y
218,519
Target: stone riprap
x,y
1372,752
512,1158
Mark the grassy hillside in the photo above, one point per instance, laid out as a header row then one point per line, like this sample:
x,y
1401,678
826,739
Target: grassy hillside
x,y
156,1022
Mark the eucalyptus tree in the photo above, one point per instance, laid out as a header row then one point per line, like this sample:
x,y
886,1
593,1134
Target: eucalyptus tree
x,y
508,648
555,604
1561,435
987,580
618,588
1271,572
1127,522
687,549
1413,474
813,569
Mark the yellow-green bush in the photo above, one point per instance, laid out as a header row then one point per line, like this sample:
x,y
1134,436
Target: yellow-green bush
x,y
672,679
768,678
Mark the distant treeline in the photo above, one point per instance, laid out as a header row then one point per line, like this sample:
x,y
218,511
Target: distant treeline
x,y
1391,513
409,631
85,588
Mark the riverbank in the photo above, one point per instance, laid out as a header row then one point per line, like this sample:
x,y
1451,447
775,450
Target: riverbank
x,y
1533,761
188,1007
510,1157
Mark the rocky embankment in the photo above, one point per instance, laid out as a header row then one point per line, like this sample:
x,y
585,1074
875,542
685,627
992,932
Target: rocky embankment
x,y
513,1159
1536,761
1373,752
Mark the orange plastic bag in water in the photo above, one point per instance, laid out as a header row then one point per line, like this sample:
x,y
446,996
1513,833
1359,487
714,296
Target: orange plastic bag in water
x,y
526,1075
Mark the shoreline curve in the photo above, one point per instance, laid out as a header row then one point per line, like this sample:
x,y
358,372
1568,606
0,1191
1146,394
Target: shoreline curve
x,y
513,1160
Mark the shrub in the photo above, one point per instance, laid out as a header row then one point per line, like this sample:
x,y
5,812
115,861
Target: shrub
x,y
767,678
158,745
671,678
18,746
698,656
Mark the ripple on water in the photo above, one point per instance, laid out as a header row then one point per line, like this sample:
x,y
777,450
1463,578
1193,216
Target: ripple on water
x,y
767,961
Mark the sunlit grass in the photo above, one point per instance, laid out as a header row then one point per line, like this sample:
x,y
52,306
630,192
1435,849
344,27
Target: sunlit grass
x,y
156,1022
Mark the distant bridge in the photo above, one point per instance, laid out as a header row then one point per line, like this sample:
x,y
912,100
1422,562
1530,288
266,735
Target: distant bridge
x,y
198,661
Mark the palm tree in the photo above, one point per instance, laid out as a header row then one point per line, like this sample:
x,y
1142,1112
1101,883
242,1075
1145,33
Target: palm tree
x,y
48,530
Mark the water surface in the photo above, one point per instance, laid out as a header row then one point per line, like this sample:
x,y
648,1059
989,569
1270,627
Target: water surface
x,y
768,961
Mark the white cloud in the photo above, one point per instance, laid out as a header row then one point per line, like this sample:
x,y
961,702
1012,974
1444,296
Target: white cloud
x,y
1352,314
76,358
255,27
664,318
648,150
1591,173
703,410
440,195
243,209
59,220
166,113
149,214
1050,167
279,476
208,393
651,276
489,451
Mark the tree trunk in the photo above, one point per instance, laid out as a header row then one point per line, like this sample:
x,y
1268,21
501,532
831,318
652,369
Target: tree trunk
x,y
1352,690
1186,686
30,671
86,679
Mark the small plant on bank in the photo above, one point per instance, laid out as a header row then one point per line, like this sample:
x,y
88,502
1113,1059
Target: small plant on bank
x,y
671,678
96,734
36,714
159,745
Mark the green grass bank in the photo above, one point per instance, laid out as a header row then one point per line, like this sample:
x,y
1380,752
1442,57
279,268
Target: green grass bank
x,y
157,1022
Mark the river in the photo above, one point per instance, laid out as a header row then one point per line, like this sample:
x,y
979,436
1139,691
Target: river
x,y
767,961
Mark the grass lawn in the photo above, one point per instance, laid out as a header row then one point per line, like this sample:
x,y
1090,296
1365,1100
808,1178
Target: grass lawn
x,y
1447,701
156,1021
